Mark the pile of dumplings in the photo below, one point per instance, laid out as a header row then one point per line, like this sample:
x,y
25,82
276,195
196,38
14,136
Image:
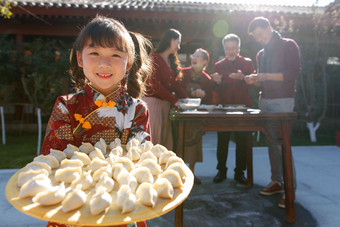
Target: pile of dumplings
x,y
103,176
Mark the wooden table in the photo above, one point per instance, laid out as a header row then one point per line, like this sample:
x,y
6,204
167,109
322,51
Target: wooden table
x,y
191,125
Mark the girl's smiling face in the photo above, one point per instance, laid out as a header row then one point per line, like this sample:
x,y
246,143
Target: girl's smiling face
x,y
104,67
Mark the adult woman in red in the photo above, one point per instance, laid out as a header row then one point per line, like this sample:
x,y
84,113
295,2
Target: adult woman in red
x,y
162,84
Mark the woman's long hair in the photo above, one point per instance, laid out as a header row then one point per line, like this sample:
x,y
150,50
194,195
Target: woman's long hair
x,y
164,44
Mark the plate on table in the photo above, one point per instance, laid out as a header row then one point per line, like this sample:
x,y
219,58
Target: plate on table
x,y
210,107
239,107
83,215
189,103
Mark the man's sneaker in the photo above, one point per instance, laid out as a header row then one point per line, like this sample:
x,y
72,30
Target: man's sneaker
x,y
272,188
282,203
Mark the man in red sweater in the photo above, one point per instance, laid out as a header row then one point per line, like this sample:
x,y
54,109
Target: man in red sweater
x,y
232,89
278,66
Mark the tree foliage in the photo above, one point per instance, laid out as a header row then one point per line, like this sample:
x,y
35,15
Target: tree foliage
x,y
5,8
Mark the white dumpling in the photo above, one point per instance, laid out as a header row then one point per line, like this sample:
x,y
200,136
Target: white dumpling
x,y
158,149
69,150
74,199
155,169
32,187
51,196
146,146
142,174
27,175
37,166
124,178
117,151
172,176
132,143
86,180
97,153
148,155
117,168
111,160
164,188
116,143
48,159
180,168
133,154
86,148
68,175
100,202
127,163
97,163
146,195
163,159
59,155
106,182
82,157
71,163
126,200
98,173
173,159
101,145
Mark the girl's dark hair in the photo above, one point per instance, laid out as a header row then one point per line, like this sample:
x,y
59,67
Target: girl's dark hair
x,y
142,66
108,32
165,44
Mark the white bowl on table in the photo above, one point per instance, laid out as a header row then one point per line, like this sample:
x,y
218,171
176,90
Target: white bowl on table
x,y
189,103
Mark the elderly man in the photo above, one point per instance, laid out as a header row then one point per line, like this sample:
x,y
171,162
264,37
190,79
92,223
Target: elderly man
x,y
229,73
278,66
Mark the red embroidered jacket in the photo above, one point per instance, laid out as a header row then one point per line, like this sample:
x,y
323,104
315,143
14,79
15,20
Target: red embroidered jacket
x,y
87,116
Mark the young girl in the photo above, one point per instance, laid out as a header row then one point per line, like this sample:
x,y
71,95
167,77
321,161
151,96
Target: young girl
x,y
108,66
162,83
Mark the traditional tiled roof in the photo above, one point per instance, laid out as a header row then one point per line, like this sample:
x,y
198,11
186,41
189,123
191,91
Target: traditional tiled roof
x,y
166,6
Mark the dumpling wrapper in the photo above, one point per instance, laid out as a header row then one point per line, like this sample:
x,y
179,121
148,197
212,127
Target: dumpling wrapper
x,y
155,169
59,155
86,148
158,149
74,199
51,196
48,159
163,159
146,146
173,159
132,143
27,175
37,166
69,150
97,163
146,195
101,145
96,153
142,174
147,155
86,180
105,182
127,163
84,158
98,173
164,188
172,176
100,202
133,154
117,151
116,143
126,200
68,175
71,163
180,168
34,186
